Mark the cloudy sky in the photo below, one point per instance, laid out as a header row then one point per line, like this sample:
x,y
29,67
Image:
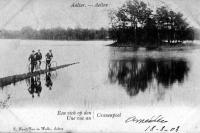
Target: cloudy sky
x,y
15,14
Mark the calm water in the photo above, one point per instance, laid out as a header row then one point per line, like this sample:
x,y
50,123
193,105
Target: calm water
x,y
105,77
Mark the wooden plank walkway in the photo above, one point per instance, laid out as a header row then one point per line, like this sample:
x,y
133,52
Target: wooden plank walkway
x,y
16,78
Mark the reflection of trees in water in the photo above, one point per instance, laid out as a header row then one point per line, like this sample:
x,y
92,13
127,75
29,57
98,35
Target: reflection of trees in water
x,y
135,75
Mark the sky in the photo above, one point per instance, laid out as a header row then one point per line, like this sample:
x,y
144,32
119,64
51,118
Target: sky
x,y
15,14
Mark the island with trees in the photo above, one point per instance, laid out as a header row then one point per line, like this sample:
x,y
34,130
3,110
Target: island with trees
x,y
136,24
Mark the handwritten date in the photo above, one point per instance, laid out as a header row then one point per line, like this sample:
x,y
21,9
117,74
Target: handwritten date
x,y
162,129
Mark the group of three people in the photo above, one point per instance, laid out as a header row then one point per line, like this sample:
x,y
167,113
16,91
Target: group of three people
x,y
36,57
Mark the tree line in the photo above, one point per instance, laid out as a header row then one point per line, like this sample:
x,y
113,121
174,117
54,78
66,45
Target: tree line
x,y
56,34
135,22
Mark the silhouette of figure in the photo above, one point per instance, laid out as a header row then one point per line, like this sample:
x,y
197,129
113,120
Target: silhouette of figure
x,y
35,86
32,86
49,82
38,86
32,60
49,57
38,56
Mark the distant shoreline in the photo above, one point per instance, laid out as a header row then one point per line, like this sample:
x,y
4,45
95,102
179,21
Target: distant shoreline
x,y
163,46
57,33
53,40
111,43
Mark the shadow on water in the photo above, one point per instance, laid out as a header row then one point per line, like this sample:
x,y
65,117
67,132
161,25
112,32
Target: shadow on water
x,y
48,80
136,75
33,80
35,85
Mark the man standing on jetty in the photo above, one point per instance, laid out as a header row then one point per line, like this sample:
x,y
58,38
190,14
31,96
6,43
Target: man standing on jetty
x,y
38,56
32,59
49,57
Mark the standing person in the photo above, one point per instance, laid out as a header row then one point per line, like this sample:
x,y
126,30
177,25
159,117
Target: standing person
x,y
49,57
32,60
38,56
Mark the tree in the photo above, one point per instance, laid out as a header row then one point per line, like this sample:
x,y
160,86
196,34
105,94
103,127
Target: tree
x,y
171,25
137,13
28,32
131,15
135,22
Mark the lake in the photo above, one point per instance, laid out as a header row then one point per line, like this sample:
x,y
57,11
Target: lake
x,y
106,76
107,79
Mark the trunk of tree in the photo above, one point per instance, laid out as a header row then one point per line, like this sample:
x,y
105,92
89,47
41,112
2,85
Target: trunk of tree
x,y
135,34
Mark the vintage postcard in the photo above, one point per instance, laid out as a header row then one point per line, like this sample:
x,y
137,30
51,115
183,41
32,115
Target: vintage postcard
x,y
100,66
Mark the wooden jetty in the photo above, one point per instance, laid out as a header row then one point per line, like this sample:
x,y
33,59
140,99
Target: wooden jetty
x,y
16,78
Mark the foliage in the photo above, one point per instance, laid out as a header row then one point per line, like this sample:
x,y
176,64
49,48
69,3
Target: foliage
x,y
136,22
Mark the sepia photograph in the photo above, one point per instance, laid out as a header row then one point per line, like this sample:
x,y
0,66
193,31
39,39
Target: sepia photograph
x,y
100,66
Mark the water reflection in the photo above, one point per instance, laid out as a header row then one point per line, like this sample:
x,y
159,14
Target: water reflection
x,y
136,75
49,82
35,85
